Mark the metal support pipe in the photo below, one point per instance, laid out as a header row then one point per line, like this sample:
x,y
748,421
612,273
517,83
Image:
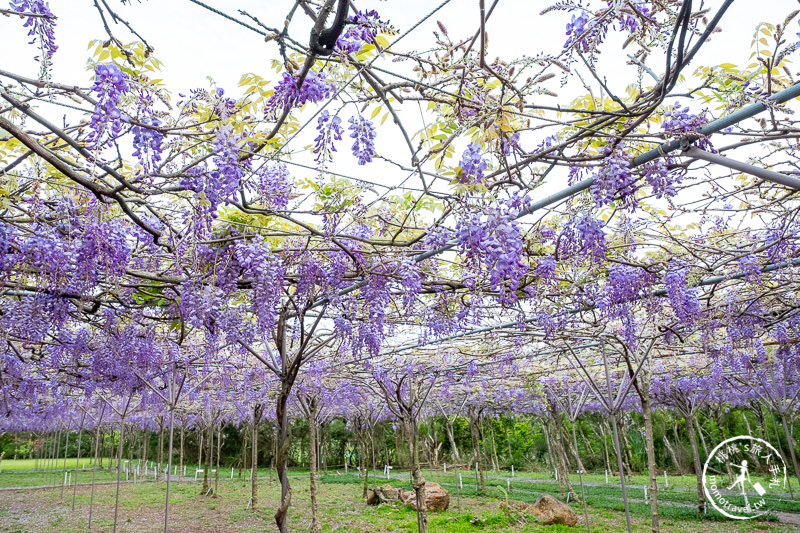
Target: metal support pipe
x,y
763,173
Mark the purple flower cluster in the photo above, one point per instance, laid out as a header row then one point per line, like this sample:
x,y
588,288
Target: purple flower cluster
x,y
472,164
363,28
614,179
147,144
660,178
330,130
274,185
546,268
494,244
265,273
363,131
229,173
626,283
576,32
110,85
583,237
681,122
585,33
287,95
752,271
437,237
41,28
683,299
510,143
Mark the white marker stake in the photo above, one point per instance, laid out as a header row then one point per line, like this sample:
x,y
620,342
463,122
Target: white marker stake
x,y
445,468
666,481
512,470
508,485
645,494
460,482
184,470
556,472
606,477
345,467
231,472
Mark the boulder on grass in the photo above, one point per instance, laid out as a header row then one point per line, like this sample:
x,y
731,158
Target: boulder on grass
x,y
551,511
436,497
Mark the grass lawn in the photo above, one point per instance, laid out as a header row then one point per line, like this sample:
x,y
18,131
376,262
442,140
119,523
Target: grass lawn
x,y
341,507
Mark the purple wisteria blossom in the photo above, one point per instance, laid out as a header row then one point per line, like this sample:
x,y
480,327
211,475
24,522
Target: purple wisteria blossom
x,y
472,164
147,144
614,180
274,185
362,29
680,122
363,133
41,28
287,95
330,130
110,85
682,298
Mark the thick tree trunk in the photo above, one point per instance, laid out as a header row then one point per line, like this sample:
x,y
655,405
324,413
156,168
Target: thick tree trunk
x,y
580,475
649,438
316,526
476,450
282,459
180,464
698,470
254,460
363,464
495,458
791,446
219,450
160,455
702,437
451,437
416,473
207,463
563,461
606,454
130,455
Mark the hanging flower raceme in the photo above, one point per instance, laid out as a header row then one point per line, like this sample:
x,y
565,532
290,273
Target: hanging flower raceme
x,y
614,180
493,244
330,130
472,165
218,185
41,28
273,184
287,95
110,85
682,298
147,143
660,178
681,122
363,131
583,238
265,272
